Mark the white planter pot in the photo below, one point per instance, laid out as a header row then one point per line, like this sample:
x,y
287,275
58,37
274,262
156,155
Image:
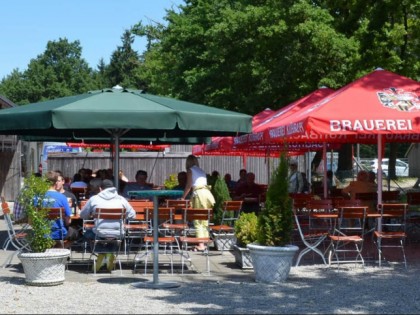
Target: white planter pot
x,y
272,263
242,257
224,241
45,269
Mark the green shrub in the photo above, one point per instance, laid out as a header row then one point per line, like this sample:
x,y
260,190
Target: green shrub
x,y
275,222
31,198
221,194
246,229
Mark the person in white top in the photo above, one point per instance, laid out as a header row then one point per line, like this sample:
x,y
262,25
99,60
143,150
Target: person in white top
x,y
201,196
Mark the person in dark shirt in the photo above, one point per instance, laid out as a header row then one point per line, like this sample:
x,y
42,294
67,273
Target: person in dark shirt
x,y
250,192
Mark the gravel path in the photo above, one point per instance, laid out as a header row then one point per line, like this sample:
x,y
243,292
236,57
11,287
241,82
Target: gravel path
x,y
309,289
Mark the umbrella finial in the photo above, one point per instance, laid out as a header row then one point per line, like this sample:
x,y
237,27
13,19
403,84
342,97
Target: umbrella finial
x,y
117,88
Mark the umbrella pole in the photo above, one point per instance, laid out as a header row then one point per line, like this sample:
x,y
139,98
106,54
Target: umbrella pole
x,y
116,166
379,175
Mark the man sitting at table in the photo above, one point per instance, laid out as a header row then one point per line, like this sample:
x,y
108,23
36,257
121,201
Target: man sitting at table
x,y
107,198
250,193
140,184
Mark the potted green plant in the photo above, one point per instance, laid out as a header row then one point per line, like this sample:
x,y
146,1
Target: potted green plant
x,y
272,254
42,264
221,194
245,233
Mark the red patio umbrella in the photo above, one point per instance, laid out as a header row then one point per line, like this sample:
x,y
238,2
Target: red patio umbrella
x,y
224,145
380,103
380,106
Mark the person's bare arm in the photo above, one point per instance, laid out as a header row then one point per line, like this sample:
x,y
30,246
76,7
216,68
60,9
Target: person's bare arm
x,y
188,185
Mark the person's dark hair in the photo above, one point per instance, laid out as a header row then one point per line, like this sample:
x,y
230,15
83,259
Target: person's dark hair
x,y
106,183
141,172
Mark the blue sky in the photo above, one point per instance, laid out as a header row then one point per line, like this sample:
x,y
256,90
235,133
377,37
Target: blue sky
x,y
26,26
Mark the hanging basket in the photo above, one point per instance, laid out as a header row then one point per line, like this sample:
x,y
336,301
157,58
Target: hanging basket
x,y
45,269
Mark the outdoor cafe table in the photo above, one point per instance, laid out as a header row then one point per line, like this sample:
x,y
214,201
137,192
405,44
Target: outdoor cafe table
x,y
155,284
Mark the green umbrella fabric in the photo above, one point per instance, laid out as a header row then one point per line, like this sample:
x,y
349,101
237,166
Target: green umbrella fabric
x,y
130,114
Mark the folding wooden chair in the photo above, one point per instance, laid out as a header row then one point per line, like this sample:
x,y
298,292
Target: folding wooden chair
x,y
59,214
138,227
167,242
348,235
311,240
109,233
391,229
190,239
16,238
224,234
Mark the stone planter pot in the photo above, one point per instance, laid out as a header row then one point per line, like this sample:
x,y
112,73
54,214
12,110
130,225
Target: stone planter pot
x,y
272,263
224,242
45,269
242,257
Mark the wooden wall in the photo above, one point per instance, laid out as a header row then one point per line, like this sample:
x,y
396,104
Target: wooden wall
x,y
158,165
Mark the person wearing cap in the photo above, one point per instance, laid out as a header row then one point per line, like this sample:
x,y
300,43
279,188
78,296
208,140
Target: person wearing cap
x,y
106,198
295,179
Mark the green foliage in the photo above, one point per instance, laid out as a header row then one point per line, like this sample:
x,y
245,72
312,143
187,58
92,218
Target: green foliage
x,y
171,182
275,222
221,194
31,198
246,229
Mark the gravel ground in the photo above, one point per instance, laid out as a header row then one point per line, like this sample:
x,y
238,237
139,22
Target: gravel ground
x,y
313,289
309,289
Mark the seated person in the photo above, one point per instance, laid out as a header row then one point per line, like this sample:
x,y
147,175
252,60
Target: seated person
x,y
107,197
182,181
140,184
231,184
250,193
55,199
78,181
360,185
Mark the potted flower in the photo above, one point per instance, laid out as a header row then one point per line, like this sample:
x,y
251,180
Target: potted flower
x,y
272,254
42,264
246,233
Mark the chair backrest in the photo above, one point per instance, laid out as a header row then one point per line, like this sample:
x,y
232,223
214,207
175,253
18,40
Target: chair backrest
x,y
338,203
179,206
56,213
394,215
191,214
165,214
391,196
139,207
4,206
6,214
300,202
413,198
320,205
110,213
367,196
351,219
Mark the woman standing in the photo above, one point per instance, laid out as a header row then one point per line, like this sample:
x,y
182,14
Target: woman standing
x,y
201,196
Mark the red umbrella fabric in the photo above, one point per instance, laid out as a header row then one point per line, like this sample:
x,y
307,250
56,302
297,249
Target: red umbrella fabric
x,y
379,103
256,138
151,147
224,145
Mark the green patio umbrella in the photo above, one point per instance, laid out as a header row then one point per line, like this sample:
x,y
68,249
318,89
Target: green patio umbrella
x,y
121,115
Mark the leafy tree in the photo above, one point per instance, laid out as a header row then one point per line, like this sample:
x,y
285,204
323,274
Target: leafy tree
x,y
124,63
243,56
59,71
